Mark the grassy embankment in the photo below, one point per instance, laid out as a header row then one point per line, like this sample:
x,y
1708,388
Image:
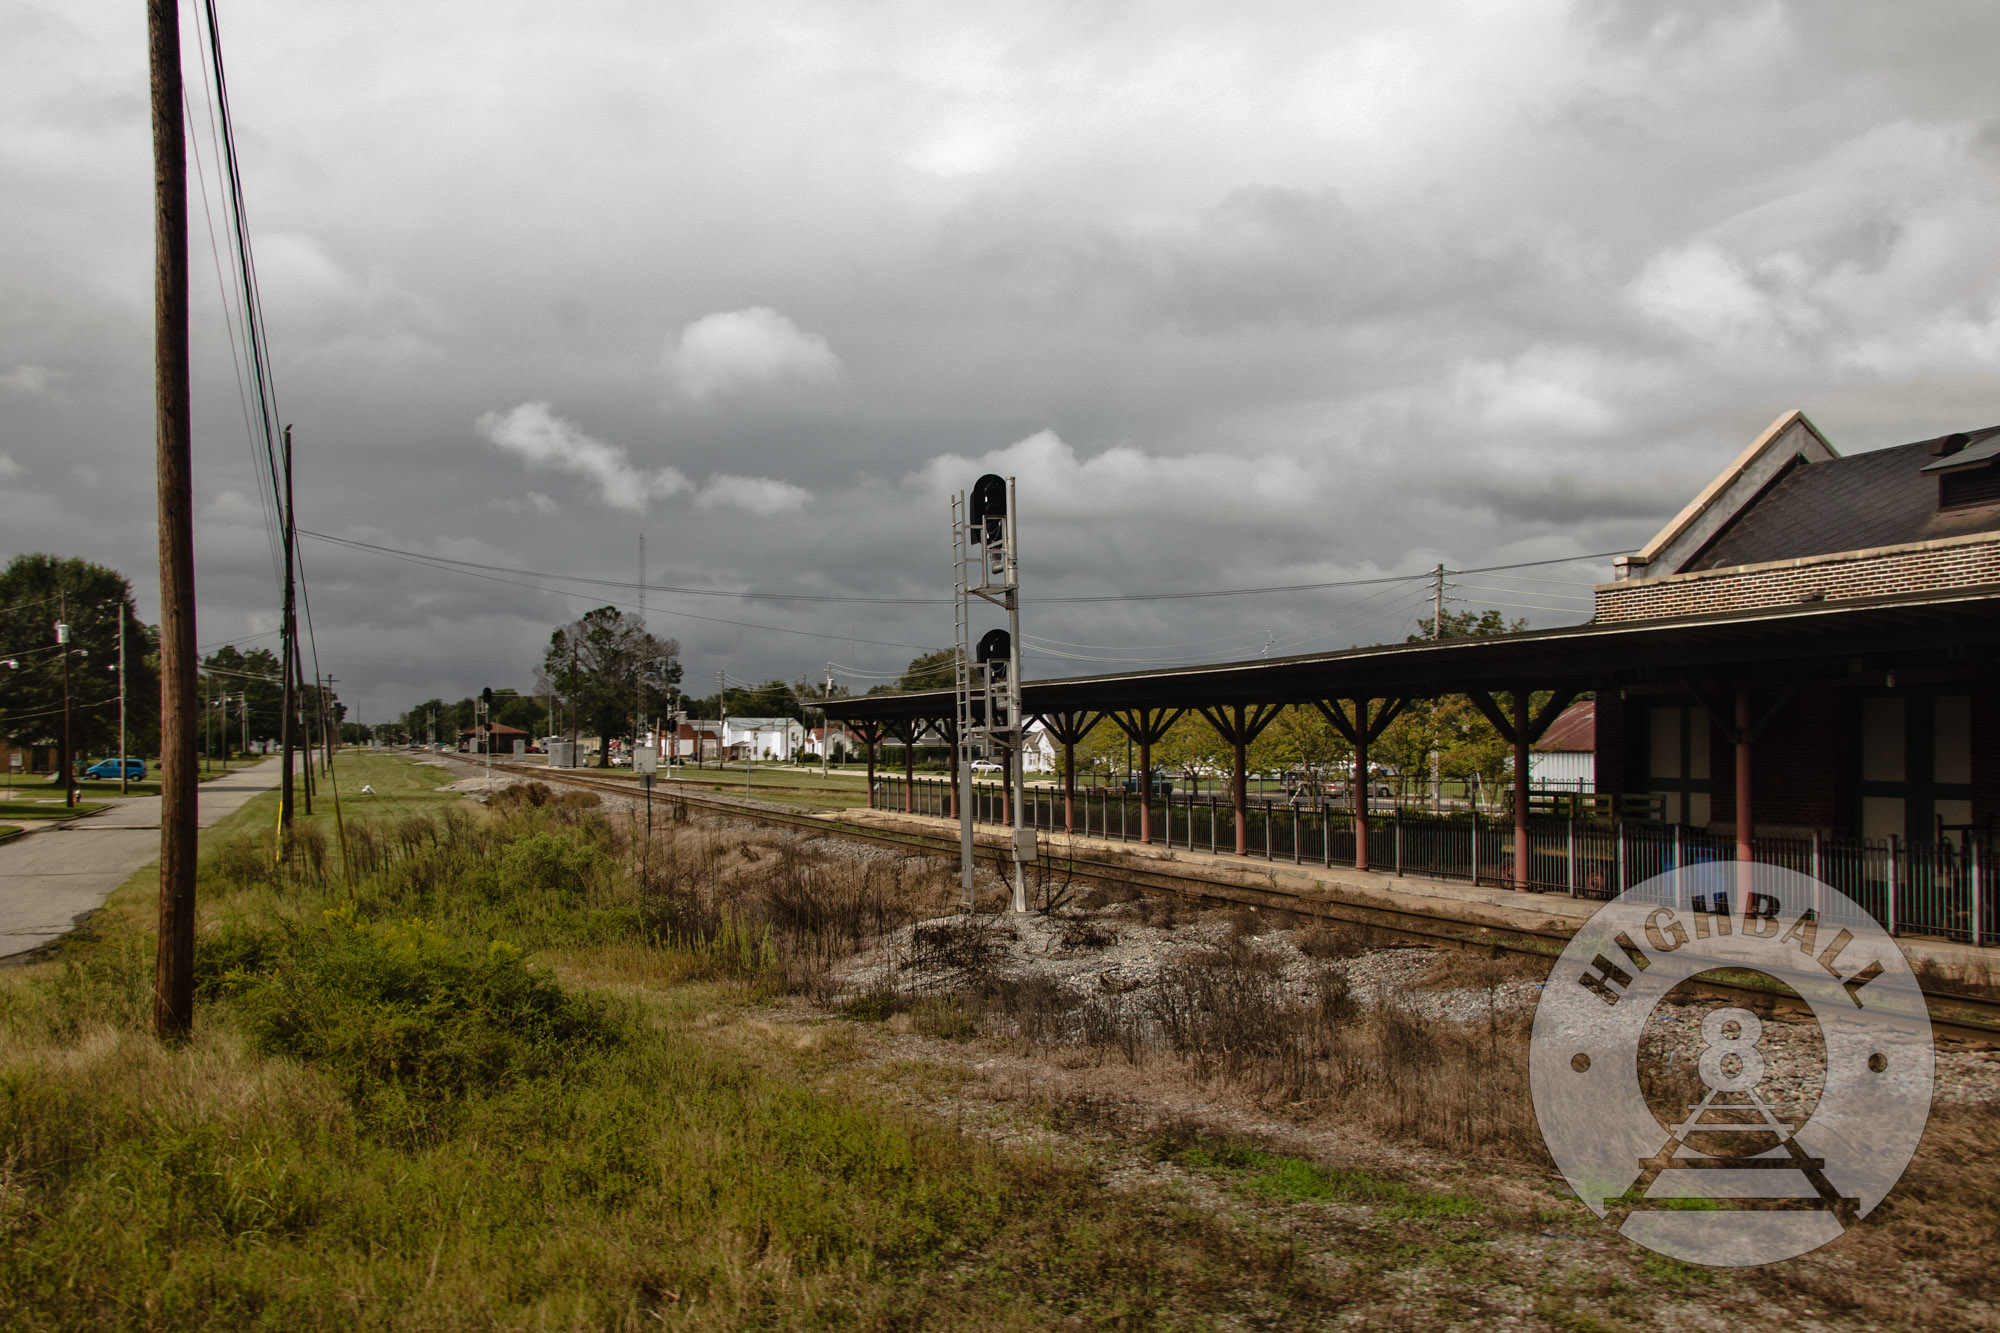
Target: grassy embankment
x,y
389,1116
516,1076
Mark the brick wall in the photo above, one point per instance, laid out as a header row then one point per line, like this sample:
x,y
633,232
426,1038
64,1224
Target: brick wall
x,y
1951,563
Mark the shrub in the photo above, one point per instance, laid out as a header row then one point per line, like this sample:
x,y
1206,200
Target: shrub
x,y
406,1019
546,862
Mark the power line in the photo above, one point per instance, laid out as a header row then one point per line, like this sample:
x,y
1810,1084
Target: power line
x,y
26,601
455,567
620,584
840,598
231,643
248,306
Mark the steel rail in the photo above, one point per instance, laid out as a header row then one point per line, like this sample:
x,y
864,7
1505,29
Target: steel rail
x,y
1977,1019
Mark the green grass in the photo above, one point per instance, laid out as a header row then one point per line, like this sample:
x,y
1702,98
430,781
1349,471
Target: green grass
x,y
400,785
392,1115
804,788
1278,1176
39,810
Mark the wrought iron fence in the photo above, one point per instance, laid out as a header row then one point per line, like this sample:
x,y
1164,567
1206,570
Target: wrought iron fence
x,y
1943,889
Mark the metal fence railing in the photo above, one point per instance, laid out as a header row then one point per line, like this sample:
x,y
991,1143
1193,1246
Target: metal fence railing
x,y
1943,889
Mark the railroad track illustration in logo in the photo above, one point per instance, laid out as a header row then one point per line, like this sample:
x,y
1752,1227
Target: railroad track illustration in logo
x,y
1783,1145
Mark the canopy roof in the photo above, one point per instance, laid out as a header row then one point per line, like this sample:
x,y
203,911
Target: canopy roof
x,y
1890,632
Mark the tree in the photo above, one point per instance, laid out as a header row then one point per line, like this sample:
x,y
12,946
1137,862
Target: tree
x,y
528,712
1301,739
94,602
606,666
813,693
1468,625
257,676
432,715
773,698
931,671
1448,727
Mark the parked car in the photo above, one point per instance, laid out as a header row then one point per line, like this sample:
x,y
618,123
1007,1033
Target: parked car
x,y
985,766
1162,785
1376,788
108,769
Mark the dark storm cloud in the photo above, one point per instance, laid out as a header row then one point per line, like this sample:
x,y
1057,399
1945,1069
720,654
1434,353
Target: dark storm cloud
x,y
1243,295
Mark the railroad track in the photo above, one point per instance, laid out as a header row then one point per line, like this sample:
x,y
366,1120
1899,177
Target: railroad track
x,y
1954,1015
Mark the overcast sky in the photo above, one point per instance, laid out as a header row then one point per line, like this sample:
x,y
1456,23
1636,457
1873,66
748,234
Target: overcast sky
x,y
1243,294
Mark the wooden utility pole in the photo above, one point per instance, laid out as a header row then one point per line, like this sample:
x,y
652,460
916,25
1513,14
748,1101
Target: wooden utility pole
x,y
173,972
62,646
303,721
122,782
330,723
287,735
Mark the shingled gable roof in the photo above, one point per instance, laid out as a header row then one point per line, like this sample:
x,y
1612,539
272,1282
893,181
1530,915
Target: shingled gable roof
x,y
1791,495
1786,443
1883,498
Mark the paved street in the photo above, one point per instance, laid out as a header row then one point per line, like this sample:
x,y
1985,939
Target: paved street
x,y
50,878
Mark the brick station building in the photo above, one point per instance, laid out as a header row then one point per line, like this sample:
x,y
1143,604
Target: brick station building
x,y
1867,747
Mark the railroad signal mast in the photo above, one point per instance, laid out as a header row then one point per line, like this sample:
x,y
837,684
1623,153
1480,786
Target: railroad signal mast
x,y
988,678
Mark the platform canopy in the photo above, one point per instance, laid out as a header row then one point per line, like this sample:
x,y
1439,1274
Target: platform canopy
x,y
1803,642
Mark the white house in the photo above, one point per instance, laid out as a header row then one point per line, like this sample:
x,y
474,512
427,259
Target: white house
x,y
1565,758
1039,751
770,738
834,741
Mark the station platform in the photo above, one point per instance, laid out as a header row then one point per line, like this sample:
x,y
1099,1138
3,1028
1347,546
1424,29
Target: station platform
x,y
1457,902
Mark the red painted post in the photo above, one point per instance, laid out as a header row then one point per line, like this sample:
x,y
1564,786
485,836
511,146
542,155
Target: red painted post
x,y
869,738
1146,791
909,773
1745,811
1522,700
1241,796
1069,787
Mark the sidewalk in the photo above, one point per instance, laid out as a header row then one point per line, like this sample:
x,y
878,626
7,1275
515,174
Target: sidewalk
x,y
53,877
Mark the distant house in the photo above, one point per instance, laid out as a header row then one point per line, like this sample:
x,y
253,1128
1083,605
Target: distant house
x,y
697,740
833,742
28,758
770,738
503,738
1565,758
1039,751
